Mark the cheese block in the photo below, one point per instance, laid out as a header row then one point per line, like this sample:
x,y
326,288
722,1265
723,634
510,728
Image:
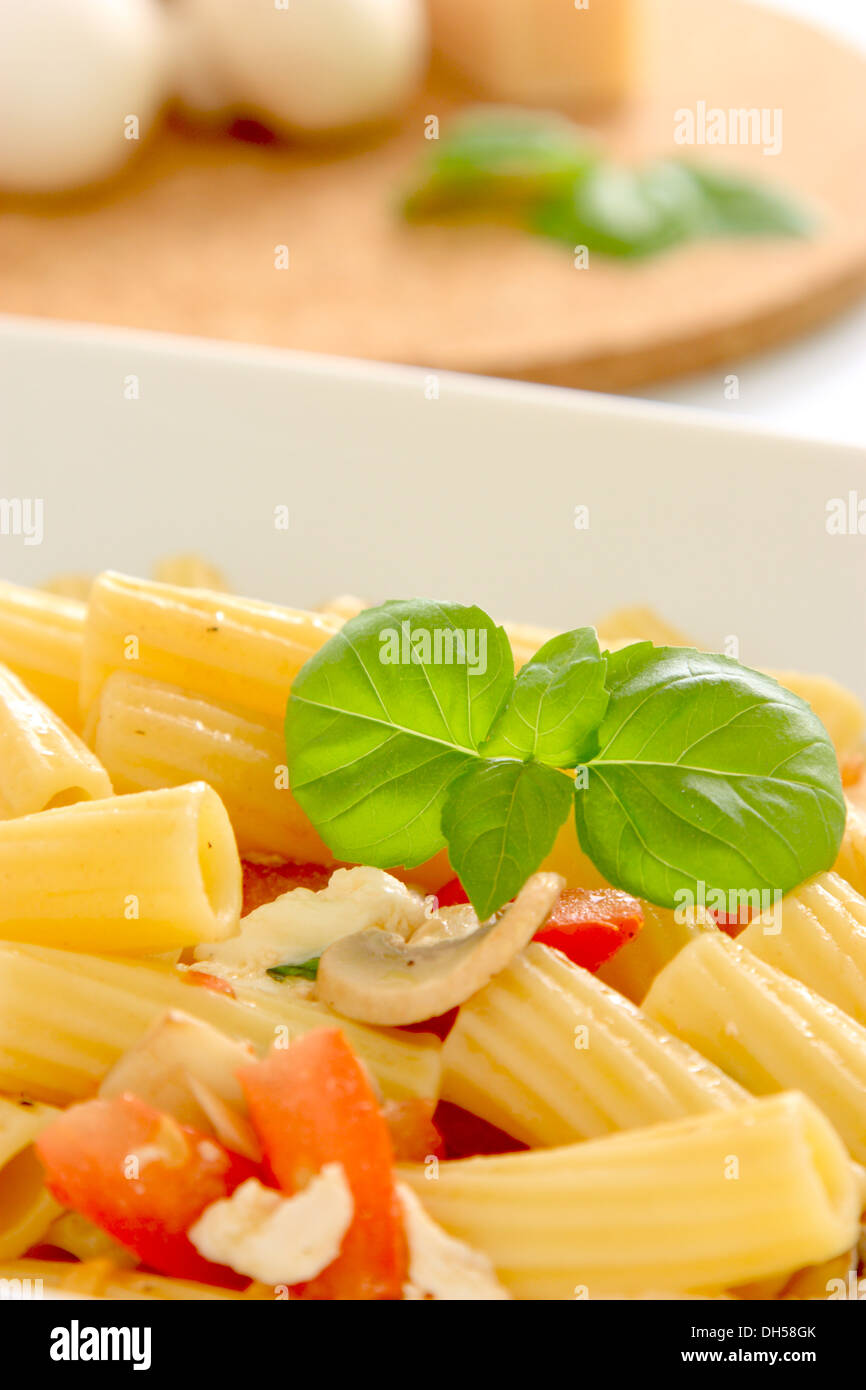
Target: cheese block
x,y
573,54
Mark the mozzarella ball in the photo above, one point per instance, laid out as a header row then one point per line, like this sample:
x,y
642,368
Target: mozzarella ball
x,y
314,65
71,74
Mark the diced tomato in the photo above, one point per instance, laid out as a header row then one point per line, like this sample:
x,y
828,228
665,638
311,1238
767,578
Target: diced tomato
x,y
216,983
264,882
733,922
452,893
465,1135
311,1103
589,925
441,1025
414,1135
144,1178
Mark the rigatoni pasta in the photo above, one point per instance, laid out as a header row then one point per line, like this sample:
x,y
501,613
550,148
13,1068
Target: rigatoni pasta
x,y
41,639
818,935
42,763
238,651
132,874
550,1054
767,1030
26,1209
696,1204
151,735
66,1017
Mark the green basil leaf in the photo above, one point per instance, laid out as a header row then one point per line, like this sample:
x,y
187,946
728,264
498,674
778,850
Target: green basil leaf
x,y
384,716
304,970
707,772
613,211
500,156
501,819
740,207
557,704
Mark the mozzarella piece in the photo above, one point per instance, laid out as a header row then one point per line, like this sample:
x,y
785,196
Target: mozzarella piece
x,y
72,73
300,924
277,1239
441,1267
312,65
540,52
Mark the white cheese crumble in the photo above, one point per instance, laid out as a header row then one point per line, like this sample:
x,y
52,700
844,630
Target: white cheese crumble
x,y
277,1239
301,924
440,1266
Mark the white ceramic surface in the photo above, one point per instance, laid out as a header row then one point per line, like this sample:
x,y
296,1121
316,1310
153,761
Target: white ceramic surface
x,y
470,495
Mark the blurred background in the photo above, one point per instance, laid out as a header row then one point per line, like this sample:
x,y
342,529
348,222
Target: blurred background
x,y
662,198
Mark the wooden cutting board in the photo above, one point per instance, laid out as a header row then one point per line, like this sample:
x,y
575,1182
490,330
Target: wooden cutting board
x,y
185,240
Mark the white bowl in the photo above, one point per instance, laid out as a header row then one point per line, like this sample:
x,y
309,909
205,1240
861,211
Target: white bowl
x,y
403,482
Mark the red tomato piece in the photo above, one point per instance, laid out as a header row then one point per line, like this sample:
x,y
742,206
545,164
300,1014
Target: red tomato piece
x,y
216,983
465,1135
452,893
144,1178
311,1104
589,925
414,1135
264,882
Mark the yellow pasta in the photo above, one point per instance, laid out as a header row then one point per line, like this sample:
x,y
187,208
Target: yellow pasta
x,y
130,874
344,606
66,1017
839,710
103,1278
550,1054
26,1208
640,624
42,763
152,735
851,862
70,586
697,1204
41,638
234,650
189,570
765,1029
818,935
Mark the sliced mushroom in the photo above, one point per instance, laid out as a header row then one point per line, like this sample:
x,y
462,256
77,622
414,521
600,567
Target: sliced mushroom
x,y
377,977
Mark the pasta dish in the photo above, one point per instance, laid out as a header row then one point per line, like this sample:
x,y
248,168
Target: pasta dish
x,y
390,952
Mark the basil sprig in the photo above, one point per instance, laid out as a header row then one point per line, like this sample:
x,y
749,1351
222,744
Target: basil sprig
x,y
408,732
544,173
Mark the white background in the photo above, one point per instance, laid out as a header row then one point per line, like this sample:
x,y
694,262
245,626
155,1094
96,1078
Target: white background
x,y
817,386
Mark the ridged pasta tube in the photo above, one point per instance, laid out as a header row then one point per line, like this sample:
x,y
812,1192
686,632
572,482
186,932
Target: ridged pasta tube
x,y
42,762
766,1029
236,651
65,1018
26,1209
550,1054
818,935
153,735
693,1205
131,874
41,639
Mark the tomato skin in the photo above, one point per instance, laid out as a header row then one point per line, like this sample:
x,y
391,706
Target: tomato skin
x,y
451,893
589,925
215,983
465,1135
86,1154
312,1103
264,882
413,1131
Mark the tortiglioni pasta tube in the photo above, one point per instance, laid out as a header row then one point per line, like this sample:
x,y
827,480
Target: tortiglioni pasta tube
x,y
131,875
697,1204
42,763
